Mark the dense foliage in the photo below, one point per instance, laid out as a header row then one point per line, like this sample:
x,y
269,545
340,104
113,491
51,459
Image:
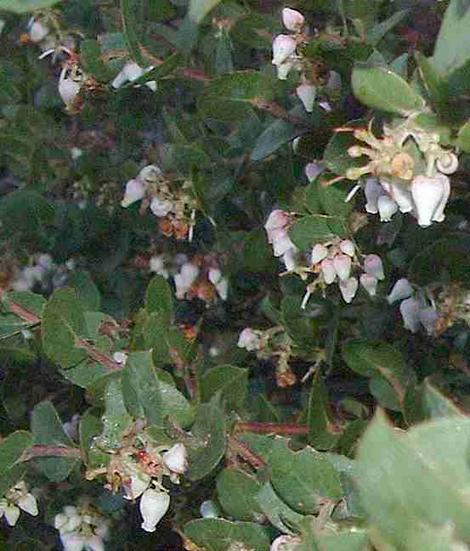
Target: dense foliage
x,y
235,275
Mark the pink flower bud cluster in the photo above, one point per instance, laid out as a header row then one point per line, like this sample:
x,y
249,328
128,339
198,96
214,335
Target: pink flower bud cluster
x,y
276,227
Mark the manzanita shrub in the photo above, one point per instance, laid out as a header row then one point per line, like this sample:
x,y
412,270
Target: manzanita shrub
x,y
235,275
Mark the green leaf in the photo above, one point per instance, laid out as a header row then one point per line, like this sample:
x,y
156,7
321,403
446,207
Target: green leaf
x,y
382,89
129,25
157,398
463,137
25,6
323,433
87,292
276,511
208,445
333,199
11,450
63,322
159,298
116,419
236,492
198,9
452,48
316,228
46,428
32,302
90,58
437,404
272,138
335,155
378,31
416,480
302,478
221,535
90,428
227,380
231,97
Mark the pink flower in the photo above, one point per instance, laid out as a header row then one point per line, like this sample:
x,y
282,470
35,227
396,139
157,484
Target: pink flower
x,y
293,20
284,47
342,265
348,288
373,266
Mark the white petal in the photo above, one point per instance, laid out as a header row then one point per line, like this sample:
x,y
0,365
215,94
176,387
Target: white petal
x,y
150,173
284,46
401,290
153,506
319,253
222,289
373,266
307,93
133,71
12,514
152,84
28,504
289,259
281,243
369,283
293,20
347,247
95,543
72,542
387,208
176,459
342,265
249,339
409,310
428,318
38,31
277,219
214,275
139,482
348,288
60,520
328,271
120,79
430,195
135,191
284,69
189,273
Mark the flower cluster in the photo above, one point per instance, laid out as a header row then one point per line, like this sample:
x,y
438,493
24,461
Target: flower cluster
x,y
277,226
415,309
17,499
82,527
402,179
286,56
138,467
174,205
41,273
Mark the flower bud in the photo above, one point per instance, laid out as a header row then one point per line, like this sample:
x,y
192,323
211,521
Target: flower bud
x,y
284,46
430,195
37,31
135,191
447,163
328,271
153,506
401,290
369,283
409,310
68,90
293,20
319,253
176,459
249,339
347,247
161,207
373,266
342,265
348,288
307,93
312,170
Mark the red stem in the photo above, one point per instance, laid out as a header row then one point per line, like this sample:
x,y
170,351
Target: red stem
x,y
272,428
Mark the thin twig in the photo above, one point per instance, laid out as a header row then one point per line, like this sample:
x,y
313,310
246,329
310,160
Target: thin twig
x,y
241,449
272,428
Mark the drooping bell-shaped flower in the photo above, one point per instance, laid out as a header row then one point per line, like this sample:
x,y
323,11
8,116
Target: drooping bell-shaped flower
x,y
37,30
312,170
68,88
176,459
348,288
428,318
387,207
306,93
10,511
161,207
369,283
293,20
373,266
342,265
401,290
250,339
400,194
135,191
372,190
347,247
153,506
410,310
430,195
319,253
328,271
285,68
284,46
